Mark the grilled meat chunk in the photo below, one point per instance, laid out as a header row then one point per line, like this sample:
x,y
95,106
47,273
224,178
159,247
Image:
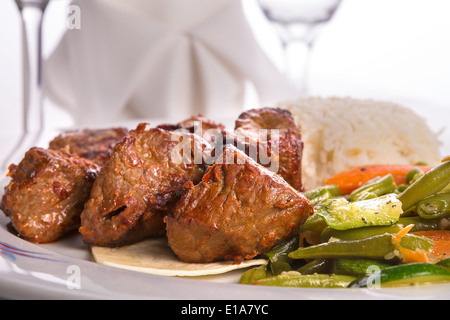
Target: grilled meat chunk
x,y
239,210
282,142
47,192
139,185
199,125
92,144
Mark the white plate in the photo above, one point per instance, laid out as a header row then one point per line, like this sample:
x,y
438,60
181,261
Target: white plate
x,y
29,271
65,270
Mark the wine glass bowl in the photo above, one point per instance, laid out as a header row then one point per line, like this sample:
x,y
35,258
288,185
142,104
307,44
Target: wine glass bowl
x,y
301,11
298,23
42,4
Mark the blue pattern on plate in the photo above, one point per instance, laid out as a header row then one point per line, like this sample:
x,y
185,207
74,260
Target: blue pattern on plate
x,y
11,252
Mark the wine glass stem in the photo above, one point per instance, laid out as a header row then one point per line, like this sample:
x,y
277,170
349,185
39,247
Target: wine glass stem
x,y
297,61
33,121
32,13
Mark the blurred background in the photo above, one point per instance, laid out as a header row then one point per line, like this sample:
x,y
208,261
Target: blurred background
x,y
396,50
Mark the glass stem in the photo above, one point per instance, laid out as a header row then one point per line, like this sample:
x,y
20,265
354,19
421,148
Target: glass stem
x,y
297,60
32,12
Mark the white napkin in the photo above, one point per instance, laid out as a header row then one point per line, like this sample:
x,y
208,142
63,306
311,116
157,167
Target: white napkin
x,y
160,59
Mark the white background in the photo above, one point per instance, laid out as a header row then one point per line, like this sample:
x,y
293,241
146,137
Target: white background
x,y
384,49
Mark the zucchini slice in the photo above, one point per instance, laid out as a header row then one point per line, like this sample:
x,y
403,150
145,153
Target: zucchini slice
x,y
358,267
404,275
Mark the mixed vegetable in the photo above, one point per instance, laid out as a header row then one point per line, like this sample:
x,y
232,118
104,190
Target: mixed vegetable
x,y
375,226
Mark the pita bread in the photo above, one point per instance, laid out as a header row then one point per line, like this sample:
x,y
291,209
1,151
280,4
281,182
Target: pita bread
x,y
154,256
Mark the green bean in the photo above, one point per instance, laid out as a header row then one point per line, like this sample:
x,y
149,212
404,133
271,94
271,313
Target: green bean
x,y
316,266
413,175
314,223
375,188
279,267
435,207
377,247
321,194
446,189
402,188
362,233
332,189
320,197
414,242
420,224
429,184
278,256
296,279
359,233
254,274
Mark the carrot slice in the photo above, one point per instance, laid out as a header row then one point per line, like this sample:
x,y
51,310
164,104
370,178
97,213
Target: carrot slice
x,y
441,238
413,256
409,256
353,178
403,232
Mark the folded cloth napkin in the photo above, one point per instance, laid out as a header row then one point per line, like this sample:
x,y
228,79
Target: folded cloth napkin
x,y
160,59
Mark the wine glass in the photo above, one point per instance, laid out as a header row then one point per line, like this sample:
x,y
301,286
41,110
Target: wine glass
x,y
298,23
32,12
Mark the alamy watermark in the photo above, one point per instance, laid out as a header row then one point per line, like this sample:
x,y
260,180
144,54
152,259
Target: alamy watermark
x,y
263,146
73,282
73,21
373,273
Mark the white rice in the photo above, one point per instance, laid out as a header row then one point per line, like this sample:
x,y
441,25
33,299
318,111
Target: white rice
x,y
341,133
